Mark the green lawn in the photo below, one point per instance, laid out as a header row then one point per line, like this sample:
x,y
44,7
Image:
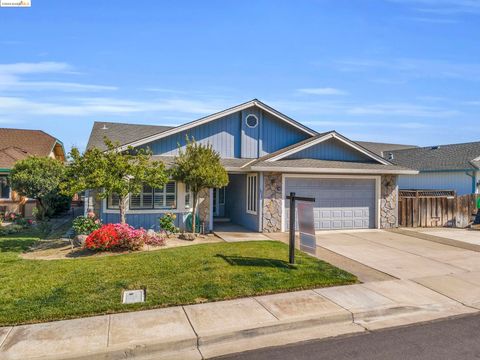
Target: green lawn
x,y
40,290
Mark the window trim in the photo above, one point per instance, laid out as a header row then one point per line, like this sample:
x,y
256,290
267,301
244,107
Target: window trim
x,y
9,189
252,198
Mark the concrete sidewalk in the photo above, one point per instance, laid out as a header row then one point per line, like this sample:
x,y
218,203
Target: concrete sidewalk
x,y
212,329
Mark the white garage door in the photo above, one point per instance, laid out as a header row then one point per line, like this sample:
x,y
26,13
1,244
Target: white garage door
x,y
339,203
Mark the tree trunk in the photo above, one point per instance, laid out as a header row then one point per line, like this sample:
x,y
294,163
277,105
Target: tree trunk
x,y
121,208
194,212
41,210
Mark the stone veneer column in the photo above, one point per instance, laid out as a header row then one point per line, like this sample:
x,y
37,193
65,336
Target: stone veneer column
x,y
388,202
272,202
204,207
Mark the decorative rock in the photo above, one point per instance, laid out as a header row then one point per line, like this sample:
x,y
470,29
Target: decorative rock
x,y
187,236
79,240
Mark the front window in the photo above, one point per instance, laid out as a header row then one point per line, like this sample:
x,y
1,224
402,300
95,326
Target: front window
x,y
150,198
252,193
4,188
113,201
188,196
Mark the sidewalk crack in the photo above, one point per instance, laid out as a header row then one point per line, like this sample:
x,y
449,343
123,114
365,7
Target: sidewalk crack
x,y
254,298
6,336
194,331
108,330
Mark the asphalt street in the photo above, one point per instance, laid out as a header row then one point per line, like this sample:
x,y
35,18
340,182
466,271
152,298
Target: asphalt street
x,y
447,339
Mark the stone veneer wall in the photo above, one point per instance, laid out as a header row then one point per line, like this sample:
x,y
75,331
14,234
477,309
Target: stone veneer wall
x,y
388,202
204,207
272,202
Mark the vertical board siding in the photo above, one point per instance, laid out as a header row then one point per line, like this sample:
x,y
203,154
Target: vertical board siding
x,y
331,149
250,135
146,221
457,211
236,203
277,134
223,134
232,138
458,181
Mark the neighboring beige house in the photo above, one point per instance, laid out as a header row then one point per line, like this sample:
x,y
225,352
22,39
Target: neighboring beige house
x,y
18,144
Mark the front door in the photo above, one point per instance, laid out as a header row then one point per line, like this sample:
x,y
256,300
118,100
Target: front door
x,y
219,202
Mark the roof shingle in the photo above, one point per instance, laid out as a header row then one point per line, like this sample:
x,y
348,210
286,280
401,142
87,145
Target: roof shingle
x,y
442,157
121,133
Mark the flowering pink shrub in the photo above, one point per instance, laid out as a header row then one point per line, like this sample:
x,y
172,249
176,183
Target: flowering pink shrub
x,y
129,237
154,239
121,237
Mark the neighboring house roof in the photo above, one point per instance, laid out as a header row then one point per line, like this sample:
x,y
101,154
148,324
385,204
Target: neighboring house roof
x,y
255,102
464,156
382,149
121,133
17,144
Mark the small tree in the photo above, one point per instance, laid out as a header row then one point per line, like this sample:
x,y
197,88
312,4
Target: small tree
x,y
38,178
199,167
112,172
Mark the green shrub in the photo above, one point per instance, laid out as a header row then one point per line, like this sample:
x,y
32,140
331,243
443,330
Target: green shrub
x,y
167,223
86,225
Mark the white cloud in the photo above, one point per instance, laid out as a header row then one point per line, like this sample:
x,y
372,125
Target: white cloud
x,y
402,109
443,7
350,108
12,78
414,68
322,91
11,106
34,68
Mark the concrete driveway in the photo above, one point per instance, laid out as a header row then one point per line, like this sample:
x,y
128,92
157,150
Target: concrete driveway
x,y
401,256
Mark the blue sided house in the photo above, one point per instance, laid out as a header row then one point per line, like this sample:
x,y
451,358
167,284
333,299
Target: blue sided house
x,y
267,155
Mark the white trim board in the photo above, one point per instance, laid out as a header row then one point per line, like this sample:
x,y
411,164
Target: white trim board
x,y
331,135
313,176
219,115
331,170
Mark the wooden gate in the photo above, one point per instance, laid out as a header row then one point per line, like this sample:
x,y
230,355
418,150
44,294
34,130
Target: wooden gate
x,y
435,208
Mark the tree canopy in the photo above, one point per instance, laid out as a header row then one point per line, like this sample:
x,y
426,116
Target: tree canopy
x,y
37,178
199,167
112,172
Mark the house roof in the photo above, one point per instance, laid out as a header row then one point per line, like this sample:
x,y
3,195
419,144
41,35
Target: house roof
x,y
328,166
17,144
282,153
382,149
464,156
229,164
141,140
121,133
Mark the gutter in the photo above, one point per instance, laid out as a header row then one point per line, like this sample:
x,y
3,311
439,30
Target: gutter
x,y
333,170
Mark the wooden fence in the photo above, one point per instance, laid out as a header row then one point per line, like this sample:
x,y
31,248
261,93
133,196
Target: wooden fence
x,y
435,209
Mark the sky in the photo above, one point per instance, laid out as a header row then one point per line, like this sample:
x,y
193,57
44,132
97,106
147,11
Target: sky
x,y
400,71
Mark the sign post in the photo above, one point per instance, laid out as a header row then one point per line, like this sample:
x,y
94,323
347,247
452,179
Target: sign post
x,y
293,198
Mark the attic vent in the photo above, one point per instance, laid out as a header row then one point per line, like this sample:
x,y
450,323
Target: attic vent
x,y
104,127
435,147
390,156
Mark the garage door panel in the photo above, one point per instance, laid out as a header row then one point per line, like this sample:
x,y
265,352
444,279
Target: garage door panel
x,y
339,203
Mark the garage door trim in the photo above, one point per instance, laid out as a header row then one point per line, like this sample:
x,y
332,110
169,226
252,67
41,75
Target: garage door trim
x,y
316,176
